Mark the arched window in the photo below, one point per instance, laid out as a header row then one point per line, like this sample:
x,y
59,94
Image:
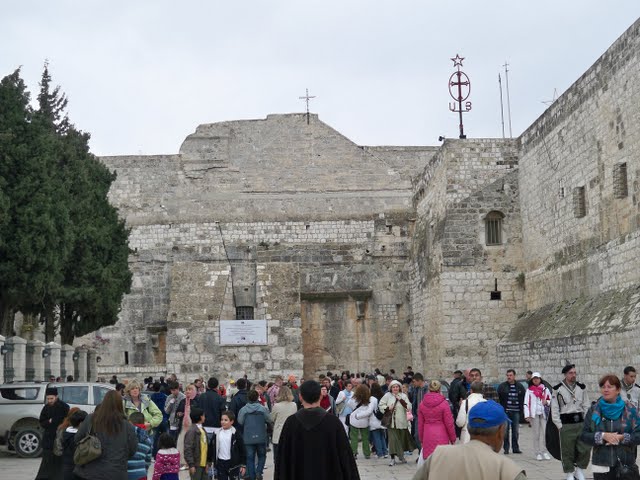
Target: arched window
x,y
493,228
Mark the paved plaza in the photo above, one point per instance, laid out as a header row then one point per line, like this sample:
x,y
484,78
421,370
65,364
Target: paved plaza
x,y
14,468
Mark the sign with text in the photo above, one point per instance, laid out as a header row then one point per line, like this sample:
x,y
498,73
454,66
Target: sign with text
x,y
243,332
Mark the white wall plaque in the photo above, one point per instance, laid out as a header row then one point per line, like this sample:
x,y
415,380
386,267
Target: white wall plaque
x,y
243,332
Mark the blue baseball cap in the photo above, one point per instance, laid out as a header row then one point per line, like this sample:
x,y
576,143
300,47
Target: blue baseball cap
x,y
486,415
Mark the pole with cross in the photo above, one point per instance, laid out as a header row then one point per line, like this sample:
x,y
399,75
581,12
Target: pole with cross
x,y
306,98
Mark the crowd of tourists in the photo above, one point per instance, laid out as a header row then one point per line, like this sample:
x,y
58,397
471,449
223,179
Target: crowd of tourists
x,y
317,429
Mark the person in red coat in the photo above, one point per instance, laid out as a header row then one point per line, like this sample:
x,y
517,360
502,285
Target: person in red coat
x,y
435,421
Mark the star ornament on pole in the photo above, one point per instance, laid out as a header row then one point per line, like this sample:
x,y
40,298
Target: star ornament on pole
x,y
457,60
459,89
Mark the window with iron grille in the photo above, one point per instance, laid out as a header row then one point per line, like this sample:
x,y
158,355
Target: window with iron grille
x,y
493,228
620,186
579,202
244,313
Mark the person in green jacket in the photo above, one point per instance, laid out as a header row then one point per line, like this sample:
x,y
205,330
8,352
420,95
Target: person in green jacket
x,y
134,401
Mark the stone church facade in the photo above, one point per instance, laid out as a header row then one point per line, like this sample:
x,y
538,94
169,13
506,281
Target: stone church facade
x,y
480,252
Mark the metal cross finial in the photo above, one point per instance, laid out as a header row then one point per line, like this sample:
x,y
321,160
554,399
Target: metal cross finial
x,y
307,97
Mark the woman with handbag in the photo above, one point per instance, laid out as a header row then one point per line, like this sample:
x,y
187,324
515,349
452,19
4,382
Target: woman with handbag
x,y
394,405
378,432
611,426
117,441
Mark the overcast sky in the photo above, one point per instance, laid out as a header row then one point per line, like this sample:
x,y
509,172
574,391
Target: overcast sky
x,y
141,75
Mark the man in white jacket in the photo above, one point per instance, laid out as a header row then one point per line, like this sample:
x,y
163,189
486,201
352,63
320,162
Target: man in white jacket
x,y
466,405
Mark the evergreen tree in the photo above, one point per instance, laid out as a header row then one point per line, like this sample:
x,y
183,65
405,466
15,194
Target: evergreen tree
x,y
63,249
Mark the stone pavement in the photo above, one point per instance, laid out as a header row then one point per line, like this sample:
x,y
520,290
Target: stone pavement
x,y
14,468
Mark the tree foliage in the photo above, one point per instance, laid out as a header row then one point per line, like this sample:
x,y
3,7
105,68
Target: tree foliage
x,y
63,249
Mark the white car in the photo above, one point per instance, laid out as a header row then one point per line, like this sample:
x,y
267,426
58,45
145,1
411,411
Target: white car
x,y
22,402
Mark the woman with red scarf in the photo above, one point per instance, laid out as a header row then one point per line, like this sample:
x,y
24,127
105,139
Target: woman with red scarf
x,y
185,407
326,401
536,409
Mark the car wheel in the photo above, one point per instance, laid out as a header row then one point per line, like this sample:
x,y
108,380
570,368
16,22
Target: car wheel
x,y
28,443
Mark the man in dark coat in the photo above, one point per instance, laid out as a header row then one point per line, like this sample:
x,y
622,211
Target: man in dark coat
x,y
239,400
213,405
313,445
52,415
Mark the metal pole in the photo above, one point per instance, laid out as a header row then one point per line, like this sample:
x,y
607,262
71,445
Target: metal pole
x,y
501,104
460,104
506,76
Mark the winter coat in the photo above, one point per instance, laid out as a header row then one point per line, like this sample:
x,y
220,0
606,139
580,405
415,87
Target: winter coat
x,y
400,413
152,414
607,455
533,406
359,418
68,449
238,452
503,394
238,401
435,423
313,446
160,399
280,412
171,408
342,409
463,415
374,423
51,417
116,450
192,452
213,405
254,418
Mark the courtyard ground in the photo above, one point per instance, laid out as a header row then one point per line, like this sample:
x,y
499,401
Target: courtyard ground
x,y
14,468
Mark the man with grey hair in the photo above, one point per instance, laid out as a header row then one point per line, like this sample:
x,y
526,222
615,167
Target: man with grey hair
x,y
478,459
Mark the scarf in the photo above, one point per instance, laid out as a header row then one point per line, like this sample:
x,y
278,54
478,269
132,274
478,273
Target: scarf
x,y
538,391
611,411
325,402
186,419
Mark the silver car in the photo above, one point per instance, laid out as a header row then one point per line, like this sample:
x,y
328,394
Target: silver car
x,y
22,402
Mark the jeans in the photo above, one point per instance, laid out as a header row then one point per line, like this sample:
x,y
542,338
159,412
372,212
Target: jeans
x,y
252,450
514,427
379,442
159,430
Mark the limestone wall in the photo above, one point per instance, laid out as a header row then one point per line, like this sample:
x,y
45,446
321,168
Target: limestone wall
x,y
579,142
582,268
248,202
455,324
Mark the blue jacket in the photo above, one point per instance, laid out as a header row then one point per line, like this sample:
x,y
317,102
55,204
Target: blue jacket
x,y
254,418
138,465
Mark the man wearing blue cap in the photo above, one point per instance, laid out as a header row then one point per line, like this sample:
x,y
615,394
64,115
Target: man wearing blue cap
x,y
478,459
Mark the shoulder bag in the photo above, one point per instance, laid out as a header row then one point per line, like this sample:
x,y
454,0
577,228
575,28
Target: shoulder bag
x,y
347,419
388,416
627,472
88,449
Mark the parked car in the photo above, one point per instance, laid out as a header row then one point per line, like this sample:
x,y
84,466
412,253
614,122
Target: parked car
x,y
22,402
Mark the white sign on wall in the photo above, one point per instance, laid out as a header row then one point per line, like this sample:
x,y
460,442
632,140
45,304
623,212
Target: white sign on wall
x,y
243,332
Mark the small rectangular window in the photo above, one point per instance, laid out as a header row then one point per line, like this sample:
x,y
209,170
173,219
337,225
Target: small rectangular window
x,y
579,202
493,227
496,295
126,358
620,185
244,313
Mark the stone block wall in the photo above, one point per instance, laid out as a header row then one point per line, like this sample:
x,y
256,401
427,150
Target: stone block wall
x,y
455,323
580,142
246,202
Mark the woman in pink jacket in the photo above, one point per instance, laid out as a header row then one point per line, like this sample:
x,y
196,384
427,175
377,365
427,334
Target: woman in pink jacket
x,y
435,421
